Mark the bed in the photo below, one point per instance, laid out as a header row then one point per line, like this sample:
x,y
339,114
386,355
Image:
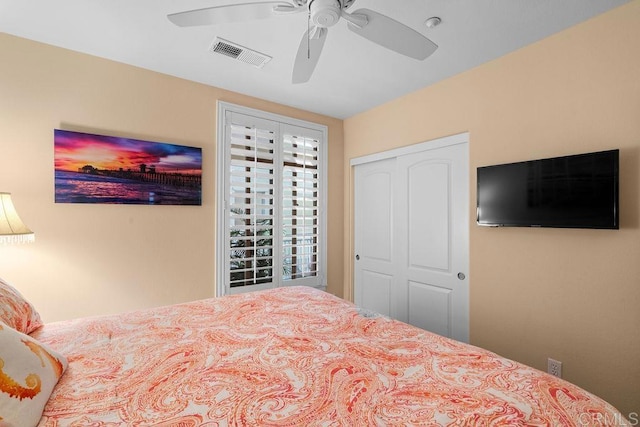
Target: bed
x,y
292,356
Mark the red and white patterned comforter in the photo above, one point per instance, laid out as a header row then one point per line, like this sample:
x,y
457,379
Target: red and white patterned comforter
x,y
293,357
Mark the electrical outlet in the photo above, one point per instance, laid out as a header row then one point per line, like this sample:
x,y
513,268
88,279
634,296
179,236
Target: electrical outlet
x,y
554,367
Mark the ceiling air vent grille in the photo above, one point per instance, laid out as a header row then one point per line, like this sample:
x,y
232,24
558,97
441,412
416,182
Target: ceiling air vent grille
x,y
241,53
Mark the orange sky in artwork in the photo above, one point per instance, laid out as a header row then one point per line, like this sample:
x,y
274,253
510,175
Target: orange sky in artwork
x,y
98,157
74,150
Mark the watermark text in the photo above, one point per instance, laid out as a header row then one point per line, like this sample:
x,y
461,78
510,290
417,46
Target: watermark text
x,y
600,419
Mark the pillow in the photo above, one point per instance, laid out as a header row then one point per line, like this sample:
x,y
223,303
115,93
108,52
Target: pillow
x,y
17,312
28,373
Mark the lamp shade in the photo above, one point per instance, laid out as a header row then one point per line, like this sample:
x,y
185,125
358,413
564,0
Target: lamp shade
x,y
12,229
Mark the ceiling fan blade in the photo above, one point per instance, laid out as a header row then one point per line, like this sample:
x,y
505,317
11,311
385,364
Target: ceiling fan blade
x,y
393,35
226,13
308,54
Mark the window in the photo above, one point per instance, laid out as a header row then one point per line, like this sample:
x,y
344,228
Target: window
x,y
270,201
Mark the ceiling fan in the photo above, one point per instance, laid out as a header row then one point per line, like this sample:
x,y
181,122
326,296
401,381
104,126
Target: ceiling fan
x,y
322,14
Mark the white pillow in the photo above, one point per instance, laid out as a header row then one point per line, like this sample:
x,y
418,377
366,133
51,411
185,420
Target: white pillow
x,y
29,371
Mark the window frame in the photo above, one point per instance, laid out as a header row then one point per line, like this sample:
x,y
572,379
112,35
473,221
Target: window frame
x,y
225,110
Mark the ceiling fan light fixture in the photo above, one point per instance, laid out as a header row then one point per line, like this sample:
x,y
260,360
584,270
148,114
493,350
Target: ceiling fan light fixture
x,y
325,13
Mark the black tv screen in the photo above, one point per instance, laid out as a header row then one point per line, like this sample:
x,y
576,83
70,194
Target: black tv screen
x,y
578,191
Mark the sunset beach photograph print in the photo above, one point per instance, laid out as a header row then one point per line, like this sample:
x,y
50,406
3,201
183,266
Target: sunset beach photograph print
x,y
107,169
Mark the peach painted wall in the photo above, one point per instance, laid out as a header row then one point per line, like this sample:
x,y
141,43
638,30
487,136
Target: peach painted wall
x,y
573,295
94,259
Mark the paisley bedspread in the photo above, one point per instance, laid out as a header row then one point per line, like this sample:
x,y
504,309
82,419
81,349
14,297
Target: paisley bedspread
x,y
293,357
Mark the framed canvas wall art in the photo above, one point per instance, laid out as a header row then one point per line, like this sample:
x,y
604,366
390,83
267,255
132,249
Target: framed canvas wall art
x,y
93,168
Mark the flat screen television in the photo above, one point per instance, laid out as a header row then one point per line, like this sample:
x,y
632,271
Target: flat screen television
x,y
578,191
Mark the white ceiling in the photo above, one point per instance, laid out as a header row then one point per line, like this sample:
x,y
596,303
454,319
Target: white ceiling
x,y
352,75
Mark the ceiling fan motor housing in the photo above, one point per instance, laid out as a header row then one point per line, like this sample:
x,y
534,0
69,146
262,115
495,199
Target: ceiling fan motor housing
x,y
325,13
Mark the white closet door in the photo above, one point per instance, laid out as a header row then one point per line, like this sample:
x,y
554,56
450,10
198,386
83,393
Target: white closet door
x,y
376,263
419,216
433,210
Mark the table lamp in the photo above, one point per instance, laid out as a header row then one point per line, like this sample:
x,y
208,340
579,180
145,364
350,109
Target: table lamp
x,y
12,229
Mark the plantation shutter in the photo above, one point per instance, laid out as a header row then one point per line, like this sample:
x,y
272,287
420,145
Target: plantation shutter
x,y
300,204
251,202
273,205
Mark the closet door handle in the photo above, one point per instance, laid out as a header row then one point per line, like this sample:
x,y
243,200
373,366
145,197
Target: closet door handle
x,y
461,276
357,257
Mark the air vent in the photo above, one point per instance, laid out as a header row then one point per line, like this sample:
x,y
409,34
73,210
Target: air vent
x,y
241,53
